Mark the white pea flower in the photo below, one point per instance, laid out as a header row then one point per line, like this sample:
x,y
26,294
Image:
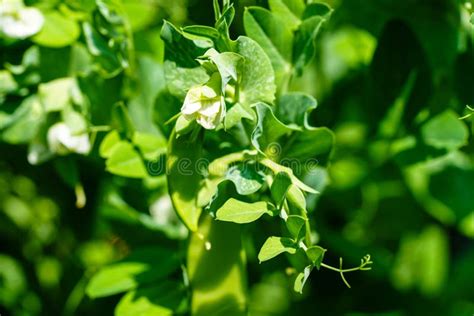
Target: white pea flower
x,y
18,21
205,104
62,140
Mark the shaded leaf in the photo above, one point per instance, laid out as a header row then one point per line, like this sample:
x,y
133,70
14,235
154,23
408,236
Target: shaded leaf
x,y
143,266
184,178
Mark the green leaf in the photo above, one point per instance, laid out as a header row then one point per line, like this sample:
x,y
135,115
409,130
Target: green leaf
x,y
143,266
151,146
295,224
228,64
280,185
296,198
180,49
216,269
246,178
124,161
315,255
109,143
301,279
304,44
258,78
202,30
160,300
241,212
219,195
268,131
445,131
294,108
276,168
23,125
179,80
235,115
311,147
273,35
57,31
289,10
184,178
275,246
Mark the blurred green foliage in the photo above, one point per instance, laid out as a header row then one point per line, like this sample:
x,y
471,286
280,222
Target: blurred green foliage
x,y
392,79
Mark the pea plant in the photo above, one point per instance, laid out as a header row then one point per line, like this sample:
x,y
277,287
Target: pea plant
x,y
212,125
241,143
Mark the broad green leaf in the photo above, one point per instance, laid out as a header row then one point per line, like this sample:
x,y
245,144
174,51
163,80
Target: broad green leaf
x,y
246,178
295,224
180,49
57,31
109,143
143,266
275,246
179,80
125,161
315,255
242,212
23,125
301,279
280,185
273,35
151,146
258,78
216,269
184,178
445,131
304,44
217,195
235,115
293,109
268,131
289,10
311,147
160,300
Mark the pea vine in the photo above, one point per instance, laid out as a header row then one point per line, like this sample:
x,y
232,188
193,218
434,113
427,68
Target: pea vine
x,y
236,91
